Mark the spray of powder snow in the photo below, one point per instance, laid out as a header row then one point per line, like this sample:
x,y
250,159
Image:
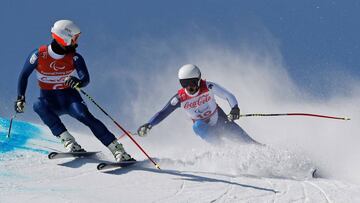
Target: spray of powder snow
x,y
258,78
262,85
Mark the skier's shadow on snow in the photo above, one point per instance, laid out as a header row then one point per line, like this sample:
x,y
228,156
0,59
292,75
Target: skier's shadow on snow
x,y
79,162
184,176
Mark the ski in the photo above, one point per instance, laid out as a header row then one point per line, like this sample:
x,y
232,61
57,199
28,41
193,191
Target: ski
x,y
60,155
315,174
109,165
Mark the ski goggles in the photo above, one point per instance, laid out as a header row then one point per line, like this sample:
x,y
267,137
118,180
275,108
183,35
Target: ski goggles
x,y
191,82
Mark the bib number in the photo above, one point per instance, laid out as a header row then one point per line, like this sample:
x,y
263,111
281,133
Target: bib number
x,y
204,115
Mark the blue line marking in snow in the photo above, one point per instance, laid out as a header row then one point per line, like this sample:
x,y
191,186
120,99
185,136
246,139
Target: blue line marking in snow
x,y
21,133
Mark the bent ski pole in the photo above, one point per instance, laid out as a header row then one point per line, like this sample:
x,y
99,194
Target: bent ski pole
x,y
296,114
118,125
10,125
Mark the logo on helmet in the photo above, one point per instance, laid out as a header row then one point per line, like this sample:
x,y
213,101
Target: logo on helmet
x,y
68,30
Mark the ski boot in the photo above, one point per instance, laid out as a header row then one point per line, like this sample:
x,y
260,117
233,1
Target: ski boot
x,y
119,153
69,142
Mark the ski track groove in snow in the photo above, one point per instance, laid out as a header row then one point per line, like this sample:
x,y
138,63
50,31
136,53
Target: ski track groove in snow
x,y
281,193
224,194
177,193
254,198
306,199
271,186
181,189
320,189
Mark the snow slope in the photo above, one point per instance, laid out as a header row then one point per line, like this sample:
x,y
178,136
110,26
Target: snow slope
x,y
230,173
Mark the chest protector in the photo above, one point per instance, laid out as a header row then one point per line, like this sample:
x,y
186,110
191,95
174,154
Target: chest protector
x,y
202,106
51,72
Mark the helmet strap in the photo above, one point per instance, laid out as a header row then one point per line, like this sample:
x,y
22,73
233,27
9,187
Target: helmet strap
x,y
57,48
71,49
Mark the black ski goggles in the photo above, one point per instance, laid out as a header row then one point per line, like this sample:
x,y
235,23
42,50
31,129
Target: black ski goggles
x,y
191,82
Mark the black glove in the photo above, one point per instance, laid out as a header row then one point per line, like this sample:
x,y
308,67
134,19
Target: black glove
x,y
234,113
20,104
72,82
144,129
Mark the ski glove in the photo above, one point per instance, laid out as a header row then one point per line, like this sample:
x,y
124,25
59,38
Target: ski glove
x,y
72,82
234,113
20,104
144,129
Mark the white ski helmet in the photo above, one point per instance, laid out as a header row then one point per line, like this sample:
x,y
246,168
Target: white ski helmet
x,y
63,31
189,71
188,74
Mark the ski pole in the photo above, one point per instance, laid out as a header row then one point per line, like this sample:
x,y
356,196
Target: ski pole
x,y
123,135
295,114
118,125
10,125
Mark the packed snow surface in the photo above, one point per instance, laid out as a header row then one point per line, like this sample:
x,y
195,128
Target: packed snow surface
x,y
232,172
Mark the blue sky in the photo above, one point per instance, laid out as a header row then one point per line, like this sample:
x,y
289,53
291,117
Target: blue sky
x,y
318,40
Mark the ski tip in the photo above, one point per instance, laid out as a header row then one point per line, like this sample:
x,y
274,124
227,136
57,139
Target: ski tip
x,y
100,166
315,174
52,155
122,164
